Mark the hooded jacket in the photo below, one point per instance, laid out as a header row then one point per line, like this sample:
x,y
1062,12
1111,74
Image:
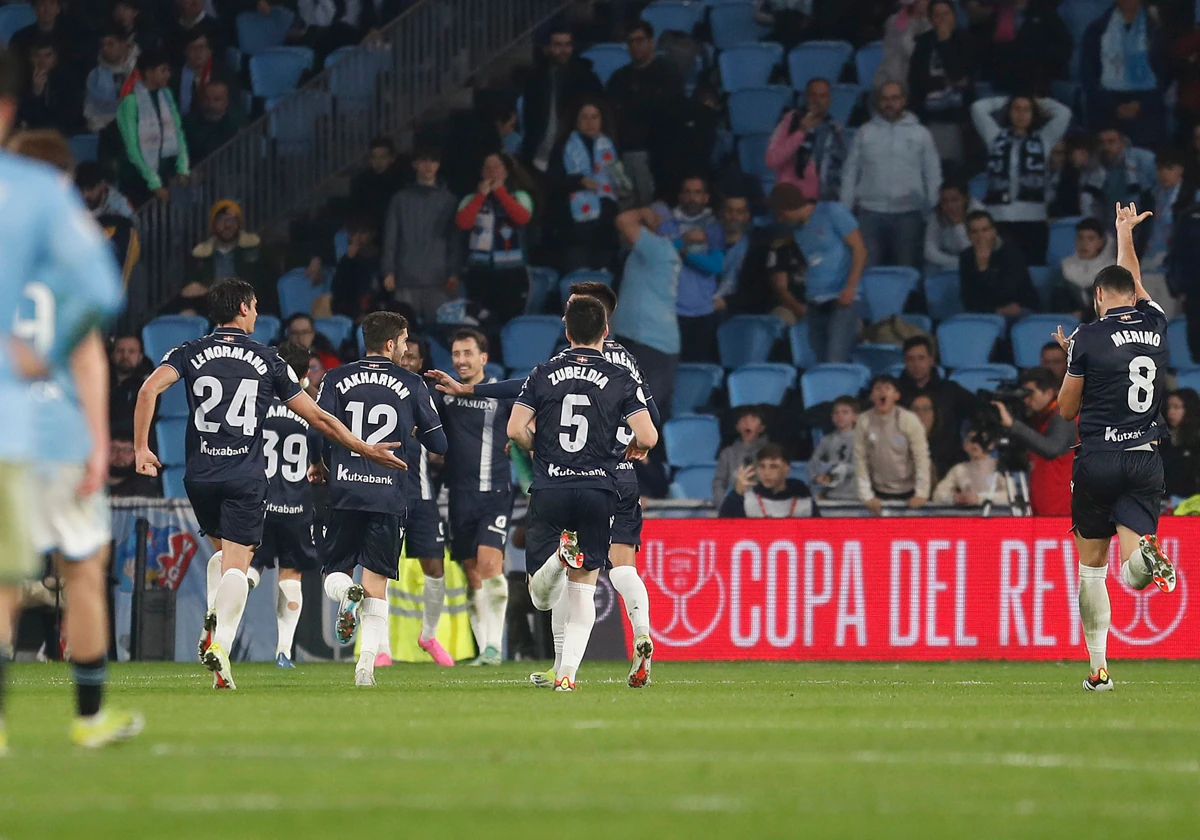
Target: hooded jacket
x,y
893,167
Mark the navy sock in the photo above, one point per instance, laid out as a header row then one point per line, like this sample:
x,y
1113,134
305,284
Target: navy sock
x,y
89,685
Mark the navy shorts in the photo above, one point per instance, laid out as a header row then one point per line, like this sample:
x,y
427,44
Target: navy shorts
x,y
587,511
1116,488
627,521
287,539
363,538
479,519
424,533
230,510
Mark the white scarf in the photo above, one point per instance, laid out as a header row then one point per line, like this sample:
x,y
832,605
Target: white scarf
x,y
157,137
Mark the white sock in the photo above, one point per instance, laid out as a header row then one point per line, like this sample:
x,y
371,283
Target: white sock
x,y
385,643
286,617
214,578
558,624
230,603
1095,613
478,616
495,591
581,615
627,582
336,585
254,576
373,616
431,609
546,585
1135,571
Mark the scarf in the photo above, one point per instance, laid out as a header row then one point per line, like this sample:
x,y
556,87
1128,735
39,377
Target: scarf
x,y
494,239
1125,55
190,82
1031,169
156,126
685,223
595,163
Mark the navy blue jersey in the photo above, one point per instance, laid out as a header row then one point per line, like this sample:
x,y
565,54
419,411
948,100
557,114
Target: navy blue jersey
x,y
1122,358
287,442
477,428
379,401
423,486
580,400
619,356
231,383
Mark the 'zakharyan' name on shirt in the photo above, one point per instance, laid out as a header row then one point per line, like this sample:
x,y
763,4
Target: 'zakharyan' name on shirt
x,y
373,378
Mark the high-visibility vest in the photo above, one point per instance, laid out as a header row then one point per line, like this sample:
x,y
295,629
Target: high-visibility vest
x,y
405,604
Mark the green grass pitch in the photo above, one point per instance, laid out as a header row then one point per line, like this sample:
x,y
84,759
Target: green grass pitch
x,y
744,750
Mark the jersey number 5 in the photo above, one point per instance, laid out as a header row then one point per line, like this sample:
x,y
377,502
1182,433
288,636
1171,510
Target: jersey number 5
x,y
1141,384
577,439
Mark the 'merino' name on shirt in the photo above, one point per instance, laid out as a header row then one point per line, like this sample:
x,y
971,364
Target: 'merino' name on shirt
x,y
240,352
1136,337
373,378
576,372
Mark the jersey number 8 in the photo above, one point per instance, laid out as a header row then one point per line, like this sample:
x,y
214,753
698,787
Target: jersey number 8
x,y
1142,371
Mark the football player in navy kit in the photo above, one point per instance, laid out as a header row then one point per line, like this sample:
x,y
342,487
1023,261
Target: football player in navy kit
x,y
579,400
231,383
368,504
1114,385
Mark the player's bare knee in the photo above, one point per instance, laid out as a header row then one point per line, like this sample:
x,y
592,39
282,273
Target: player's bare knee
x,y
433,567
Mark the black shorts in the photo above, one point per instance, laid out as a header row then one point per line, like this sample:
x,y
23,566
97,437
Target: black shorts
x,y
229,510
1116,488
627,521
424,533
479,519
363,538
288,539
587,511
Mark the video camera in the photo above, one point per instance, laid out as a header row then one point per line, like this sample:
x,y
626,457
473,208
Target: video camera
x,y
988,428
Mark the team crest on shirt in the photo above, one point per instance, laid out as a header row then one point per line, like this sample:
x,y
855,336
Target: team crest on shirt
x,y
1125,318
227,338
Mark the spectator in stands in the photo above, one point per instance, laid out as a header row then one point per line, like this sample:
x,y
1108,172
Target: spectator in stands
x,y
992,275
1069,184
1054,359
372,189
193,16
422,246
127,370
73,45
735,222
124,481
156,150
831,467
953,405
645,320
213,124
52,96
1169,194
1182,276
1125,173
356,287
1030,46
891,454
790,21
696,233
1093,251
583,181
316,372
496,214
974,482
116,61
763,490
946,231
1047,438
200,69
127,15
752,436
1017,152
302,329
1181,449
101,198
695,140
891,179
553,89
900,35
328,25
945,450
1124,69
642,92
808,148
230,252
941,79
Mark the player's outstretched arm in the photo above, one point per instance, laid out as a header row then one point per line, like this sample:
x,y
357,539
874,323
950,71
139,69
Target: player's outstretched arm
x,y
335,430
89,370
447,384
519,430
164,377
1127,219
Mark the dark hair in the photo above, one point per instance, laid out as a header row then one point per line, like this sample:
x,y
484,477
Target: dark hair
x,y
883,379
427,151
225,299
422,347
382,142
1169,157
360,222
195,34
600,291
152,58
381,327
132,335
296,357
846,399
1189,427
299,316
114,30
918,341
88,175
471,335
976,215
694,176
956,184
1090,224
586,320
1114,279
42,42
817,80
640,26
770,452
11,75
1042,378
1052,345
46,145
559,27
785,198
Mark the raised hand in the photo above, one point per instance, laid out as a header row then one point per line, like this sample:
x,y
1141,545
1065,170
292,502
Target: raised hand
x,y
1063,341
1129,216
447,384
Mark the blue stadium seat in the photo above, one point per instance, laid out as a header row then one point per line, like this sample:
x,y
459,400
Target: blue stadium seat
x,y
1043,282
968,339
297,293
1177,344
799,471
493,371
866,62
764,383
1062,240
173,483
529,340
583,275
607,59
171,432
943,294
977,187
878,358
825,383
845,97
13,17
748,65
752,155
257,32
733,24
691,439
341,241
1188,379
757,110
885,289
167,331
440,357
293,124
353,75
84,146
694,482
803,356
1069,94
173,402
919,320
673,15
746,339
266,329
983,376
337,328
542,281
275,71
817,60
694,386
1032,332
1078,15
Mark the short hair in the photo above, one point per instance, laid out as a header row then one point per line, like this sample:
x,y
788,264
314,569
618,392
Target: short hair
x,y
817,80
114,30
917,341
47,145
883,379
600,291
786,197
586,320
1115,279
559,27
11,75
422,345
976,215
427,151
43,42
643,26
847,400
382,142
299,316
770,452
132,335
195,34
152,58
1042,378
694,176
1090,224
1169,157
225,299
296,357
1053,345
470,335
381,327
956,184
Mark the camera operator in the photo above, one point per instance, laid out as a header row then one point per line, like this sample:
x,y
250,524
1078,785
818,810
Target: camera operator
x,y
1047,439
